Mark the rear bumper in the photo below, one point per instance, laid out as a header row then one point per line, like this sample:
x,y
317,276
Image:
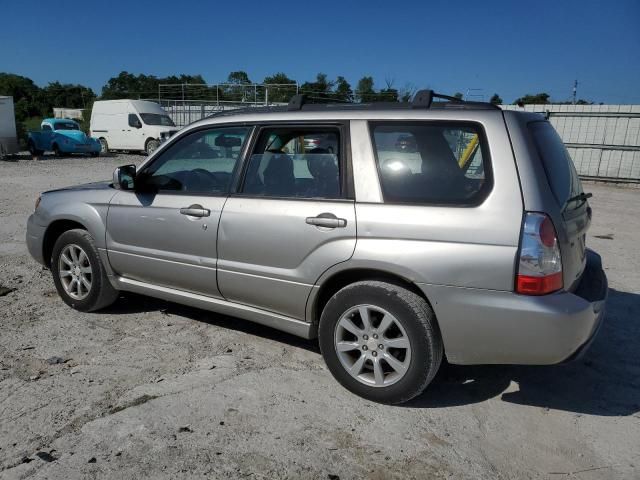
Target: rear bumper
x,y
488,326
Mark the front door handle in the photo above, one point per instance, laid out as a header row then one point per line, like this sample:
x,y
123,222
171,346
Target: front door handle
x,y
195,210
328,220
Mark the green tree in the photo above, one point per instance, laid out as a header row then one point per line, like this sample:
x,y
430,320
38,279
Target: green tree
x,y
538,99
320,90
342,91
238,78
364,90
237,91
495,99
280,92
125,85
25,93
61,95
128,85
388,94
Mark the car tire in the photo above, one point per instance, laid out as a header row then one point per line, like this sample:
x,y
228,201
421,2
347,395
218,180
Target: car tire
x,y
75,260
104,146
56,151
151,146
410,335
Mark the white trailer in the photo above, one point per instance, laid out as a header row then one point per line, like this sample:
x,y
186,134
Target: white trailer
x,y
8,136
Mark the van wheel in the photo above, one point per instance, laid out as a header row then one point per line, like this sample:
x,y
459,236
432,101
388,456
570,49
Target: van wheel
x,y
151,146
79,274
104,146
380,341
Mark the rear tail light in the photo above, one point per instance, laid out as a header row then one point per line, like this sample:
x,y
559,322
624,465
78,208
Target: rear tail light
x,y
540,265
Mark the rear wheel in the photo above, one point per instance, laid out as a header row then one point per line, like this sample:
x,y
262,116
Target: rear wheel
x,y
104,146
79,274
380,341
151,146
56,150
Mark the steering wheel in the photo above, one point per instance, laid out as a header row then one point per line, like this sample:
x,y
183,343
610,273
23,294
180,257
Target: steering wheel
x,y
202,180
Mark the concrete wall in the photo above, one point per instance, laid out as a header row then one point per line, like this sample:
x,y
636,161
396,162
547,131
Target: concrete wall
x,y
603,140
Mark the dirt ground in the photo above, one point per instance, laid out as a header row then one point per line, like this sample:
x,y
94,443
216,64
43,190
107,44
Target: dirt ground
x,y
152,389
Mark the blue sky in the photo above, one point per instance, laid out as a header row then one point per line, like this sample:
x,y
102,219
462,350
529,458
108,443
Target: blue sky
x,y
508,47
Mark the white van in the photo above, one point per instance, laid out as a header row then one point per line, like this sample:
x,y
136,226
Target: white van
x,y
130,125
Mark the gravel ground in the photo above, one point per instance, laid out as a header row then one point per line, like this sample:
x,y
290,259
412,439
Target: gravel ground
x,y
153,389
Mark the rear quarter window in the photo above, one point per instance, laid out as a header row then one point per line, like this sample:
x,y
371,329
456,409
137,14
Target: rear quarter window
x,y
432,163
558,166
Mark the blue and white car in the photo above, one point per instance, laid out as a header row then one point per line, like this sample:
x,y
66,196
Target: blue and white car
x,y
61,136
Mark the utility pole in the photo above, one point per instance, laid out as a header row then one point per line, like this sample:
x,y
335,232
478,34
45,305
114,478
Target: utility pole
x,y
575,91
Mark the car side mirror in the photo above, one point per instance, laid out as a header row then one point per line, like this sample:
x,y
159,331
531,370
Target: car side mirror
x,y
138,124
124,177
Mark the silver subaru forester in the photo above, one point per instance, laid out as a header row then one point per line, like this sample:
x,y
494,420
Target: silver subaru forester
x,y
470,244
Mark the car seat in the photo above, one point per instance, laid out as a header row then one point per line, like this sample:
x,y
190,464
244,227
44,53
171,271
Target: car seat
x,y
279,180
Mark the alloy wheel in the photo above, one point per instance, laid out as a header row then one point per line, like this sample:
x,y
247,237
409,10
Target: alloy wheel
x,y
372,345
75,271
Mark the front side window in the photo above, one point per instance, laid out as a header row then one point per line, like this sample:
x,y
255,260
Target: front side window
x,y
134,121
157,119
200,162
431,163
295,162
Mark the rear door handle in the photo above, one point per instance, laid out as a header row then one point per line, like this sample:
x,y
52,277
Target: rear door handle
x,y
195,210
328,220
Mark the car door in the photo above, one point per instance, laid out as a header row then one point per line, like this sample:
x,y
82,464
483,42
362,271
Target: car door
x,y
131,133
292,218
164,231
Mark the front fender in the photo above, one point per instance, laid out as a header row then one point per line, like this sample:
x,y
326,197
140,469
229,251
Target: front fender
x,y
86,207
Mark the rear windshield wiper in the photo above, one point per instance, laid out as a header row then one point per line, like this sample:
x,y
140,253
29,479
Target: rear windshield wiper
x,y
580,197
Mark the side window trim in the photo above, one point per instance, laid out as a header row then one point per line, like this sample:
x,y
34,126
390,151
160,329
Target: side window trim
x,y
344,159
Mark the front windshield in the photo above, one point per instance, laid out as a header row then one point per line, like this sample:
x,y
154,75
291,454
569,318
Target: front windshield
x,y
157,119
66,126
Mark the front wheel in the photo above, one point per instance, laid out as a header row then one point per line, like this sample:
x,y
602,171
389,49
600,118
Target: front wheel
x,y
104,146
152,146
380,341
79,274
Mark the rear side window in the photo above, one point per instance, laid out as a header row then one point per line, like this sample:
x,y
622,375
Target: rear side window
x,y
432,163
302,162
561,173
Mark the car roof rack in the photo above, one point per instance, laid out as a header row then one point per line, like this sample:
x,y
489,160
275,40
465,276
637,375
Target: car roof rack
x,y
423,99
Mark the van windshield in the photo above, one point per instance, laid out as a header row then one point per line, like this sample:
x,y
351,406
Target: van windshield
x,y
157,119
